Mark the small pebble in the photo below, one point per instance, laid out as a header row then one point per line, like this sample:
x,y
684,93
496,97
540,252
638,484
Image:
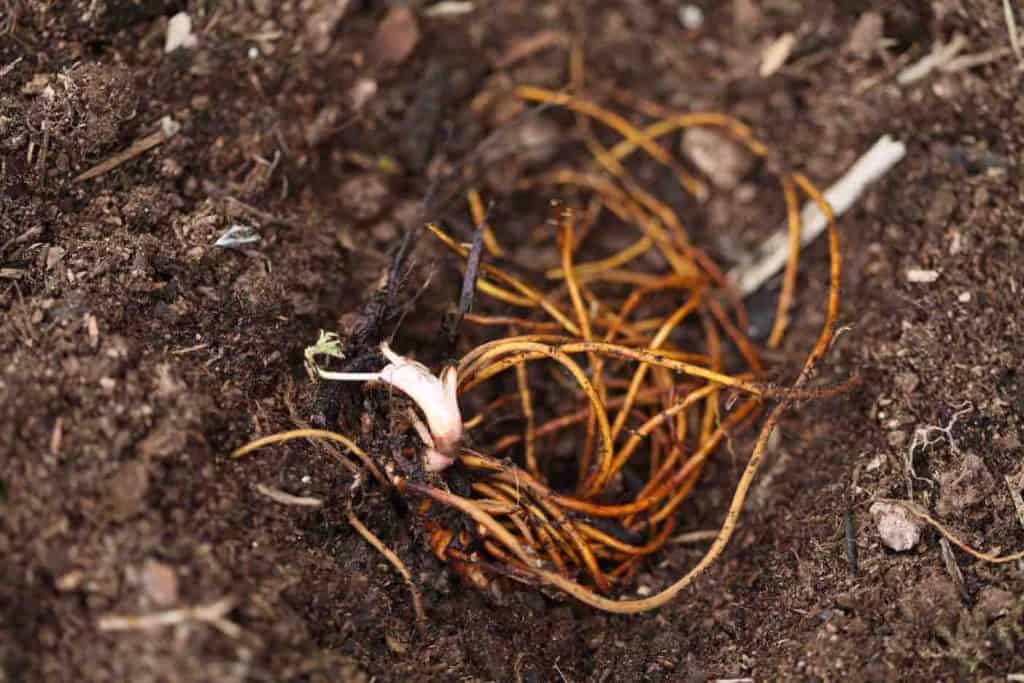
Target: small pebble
x,y
160,583
898,530
964,297
691,17
361,93
179,33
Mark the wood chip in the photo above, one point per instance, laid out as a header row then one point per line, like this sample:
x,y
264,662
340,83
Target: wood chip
x,y
449,8
92,328
776,54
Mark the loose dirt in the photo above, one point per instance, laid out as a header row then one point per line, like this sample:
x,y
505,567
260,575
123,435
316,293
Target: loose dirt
x,y
135,355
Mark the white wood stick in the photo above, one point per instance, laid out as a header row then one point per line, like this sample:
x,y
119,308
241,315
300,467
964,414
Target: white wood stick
x,y
774,253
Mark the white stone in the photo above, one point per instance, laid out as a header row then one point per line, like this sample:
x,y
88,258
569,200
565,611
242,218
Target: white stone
x,y
897,528
691,17
179,33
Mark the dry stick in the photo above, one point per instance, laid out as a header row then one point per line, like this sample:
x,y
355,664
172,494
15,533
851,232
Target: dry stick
x,y
279,496
532,296
1011,28
168,129
773,254
396,562
214,613
941,55
694,537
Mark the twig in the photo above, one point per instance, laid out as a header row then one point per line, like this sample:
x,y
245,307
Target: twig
x,y
280,496
214,614
979,59
168,129
774,253
396,562
1011,28
695,537
448,8
941,55
10,67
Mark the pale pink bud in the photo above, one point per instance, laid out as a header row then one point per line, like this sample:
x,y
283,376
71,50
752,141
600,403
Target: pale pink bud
x,y
436,396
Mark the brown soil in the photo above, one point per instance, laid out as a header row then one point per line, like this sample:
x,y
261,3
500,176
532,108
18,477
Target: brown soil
x,y
135,355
